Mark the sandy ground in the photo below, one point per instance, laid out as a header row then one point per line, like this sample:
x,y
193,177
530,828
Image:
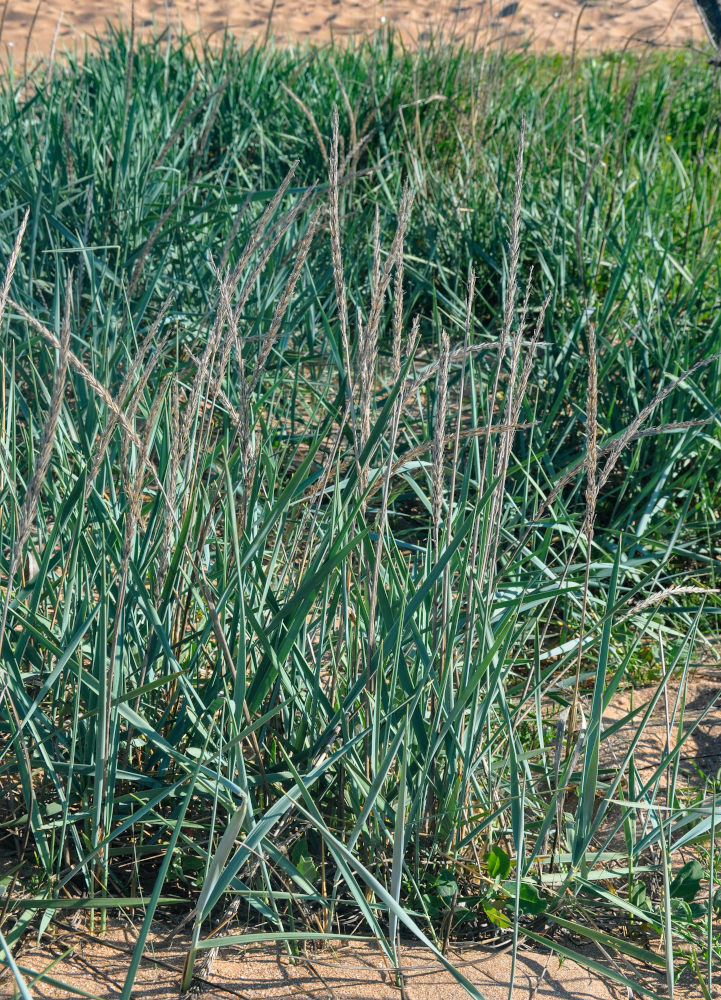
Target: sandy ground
x,y
701,753
354,972
543,24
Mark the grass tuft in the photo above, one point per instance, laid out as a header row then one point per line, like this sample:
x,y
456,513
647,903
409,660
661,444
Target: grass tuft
x,y
360,423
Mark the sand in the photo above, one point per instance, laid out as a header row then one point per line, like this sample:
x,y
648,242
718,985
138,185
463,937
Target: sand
x,y
701,754
354,972
544,25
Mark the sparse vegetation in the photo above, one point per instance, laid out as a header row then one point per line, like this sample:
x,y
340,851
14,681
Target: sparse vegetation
x,y
347,475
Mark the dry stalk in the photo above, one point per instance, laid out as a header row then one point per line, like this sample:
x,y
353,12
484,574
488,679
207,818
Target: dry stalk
x,y
591,465
661,595
349,110
37,479
614,448
86,233
591,434
182,122
457,441
339,279
173,466
200,148
138,362
414,453
152,239
397,317
282,306
202,372
439,441
2,17
376,271
367,359
427,372
528,360
256,236
349,164
506,440
382,519
77,365
514,246
514,400
235,228
311,118
437,454
368,334
10,269
27,520
242,416
393,259
231,315
133,516
227,316
639,419
274,236
508,314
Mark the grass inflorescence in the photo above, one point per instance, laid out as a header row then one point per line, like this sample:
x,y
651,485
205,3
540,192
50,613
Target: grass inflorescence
x,y
359,447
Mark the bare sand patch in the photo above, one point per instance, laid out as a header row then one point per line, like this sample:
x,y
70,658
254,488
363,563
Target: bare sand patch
x,y
355,971
542,25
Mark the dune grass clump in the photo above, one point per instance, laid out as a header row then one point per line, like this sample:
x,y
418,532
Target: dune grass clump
x,y
360,423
